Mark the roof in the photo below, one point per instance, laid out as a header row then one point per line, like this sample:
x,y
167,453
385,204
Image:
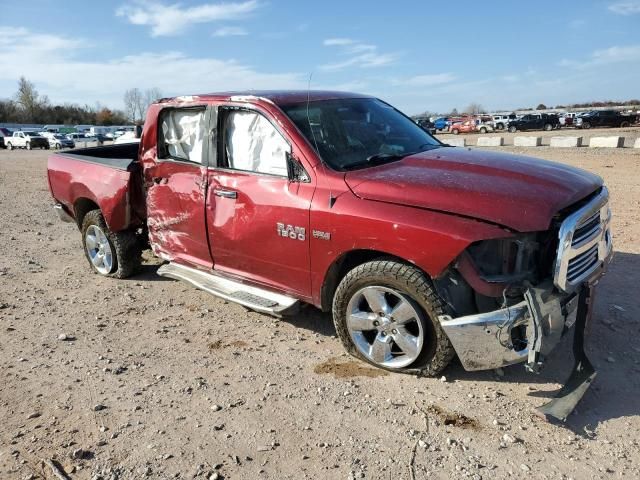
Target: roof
x,y
280,97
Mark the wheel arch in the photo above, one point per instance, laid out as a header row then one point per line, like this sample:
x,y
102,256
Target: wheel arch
x,y
81,207
347,262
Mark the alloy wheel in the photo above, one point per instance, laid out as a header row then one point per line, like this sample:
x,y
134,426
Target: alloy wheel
x,y
99,249
385,326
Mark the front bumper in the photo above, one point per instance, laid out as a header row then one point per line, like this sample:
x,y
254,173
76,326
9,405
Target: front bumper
x,y
531,329
489,340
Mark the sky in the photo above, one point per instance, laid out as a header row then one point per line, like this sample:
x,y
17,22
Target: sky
x,y
417,55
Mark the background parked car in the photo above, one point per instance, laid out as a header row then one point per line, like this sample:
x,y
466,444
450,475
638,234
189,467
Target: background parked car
x,y
427,124
441,124
4,132
472,125
77,137
500,122
535,121
101,138
58,140
604,118
567,119
26,140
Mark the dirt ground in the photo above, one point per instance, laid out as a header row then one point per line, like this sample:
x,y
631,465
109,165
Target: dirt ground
x,y
156,379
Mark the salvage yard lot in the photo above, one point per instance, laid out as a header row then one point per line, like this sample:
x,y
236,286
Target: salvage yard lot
x,y
629,134
187,385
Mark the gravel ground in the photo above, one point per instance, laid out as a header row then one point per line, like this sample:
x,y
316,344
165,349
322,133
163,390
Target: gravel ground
x,y
147,377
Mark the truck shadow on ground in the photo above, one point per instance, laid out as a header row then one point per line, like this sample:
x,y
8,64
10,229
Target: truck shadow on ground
x,y
611,347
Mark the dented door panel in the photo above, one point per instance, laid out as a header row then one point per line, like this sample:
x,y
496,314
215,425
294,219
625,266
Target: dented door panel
x,y
175,212
175,198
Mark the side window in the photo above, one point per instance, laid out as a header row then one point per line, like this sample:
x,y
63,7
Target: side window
x,y
252,143
181,134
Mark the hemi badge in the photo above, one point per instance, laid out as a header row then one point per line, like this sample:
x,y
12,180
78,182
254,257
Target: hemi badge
x,y
321,235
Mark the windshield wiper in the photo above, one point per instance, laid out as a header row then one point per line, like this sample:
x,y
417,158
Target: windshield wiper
x,y
380,158
377,159
383,157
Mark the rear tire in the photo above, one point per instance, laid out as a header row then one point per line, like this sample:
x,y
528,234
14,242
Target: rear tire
x,y
123,247
483,130
624,124
9,146
395,285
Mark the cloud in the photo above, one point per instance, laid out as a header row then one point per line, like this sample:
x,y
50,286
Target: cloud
x,y
174,19
230,32
52,63
426,80
615,54
23,43
358,54
338,41
629,7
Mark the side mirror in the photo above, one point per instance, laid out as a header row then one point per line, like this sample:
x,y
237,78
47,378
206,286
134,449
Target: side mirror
x,y
295,170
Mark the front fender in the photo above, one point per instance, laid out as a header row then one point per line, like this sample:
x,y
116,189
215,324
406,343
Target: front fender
x,y
430,240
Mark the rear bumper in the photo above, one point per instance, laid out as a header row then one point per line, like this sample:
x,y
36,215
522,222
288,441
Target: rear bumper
x,y
62,213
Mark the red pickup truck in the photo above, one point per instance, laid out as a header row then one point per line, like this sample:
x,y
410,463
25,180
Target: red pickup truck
x,y
420,250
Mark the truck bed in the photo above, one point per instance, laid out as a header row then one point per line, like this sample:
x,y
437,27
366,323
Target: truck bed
x,y
121,156
104,177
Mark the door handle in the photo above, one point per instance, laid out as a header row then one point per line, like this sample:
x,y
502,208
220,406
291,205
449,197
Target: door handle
x,y
225,193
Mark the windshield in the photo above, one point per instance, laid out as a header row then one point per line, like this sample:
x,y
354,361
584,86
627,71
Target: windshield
x,y
59,136
32,134
349,133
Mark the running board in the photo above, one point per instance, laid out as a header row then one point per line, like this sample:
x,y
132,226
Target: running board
x,y
254,298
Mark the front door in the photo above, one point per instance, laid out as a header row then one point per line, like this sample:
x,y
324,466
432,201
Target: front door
x,y
175,184
258,218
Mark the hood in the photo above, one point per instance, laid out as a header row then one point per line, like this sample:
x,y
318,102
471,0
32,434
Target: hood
x,y
522,193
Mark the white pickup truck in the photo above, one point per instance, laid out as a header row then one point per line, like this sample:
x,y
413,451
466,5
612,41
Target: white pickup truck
x,y
26,140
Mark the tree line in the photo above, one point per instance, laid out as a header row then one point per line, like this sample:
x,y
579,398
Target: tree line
x,y
29,106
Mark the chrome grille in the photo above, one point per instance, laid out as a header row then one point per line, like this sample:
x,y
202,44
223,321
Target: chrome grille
x,y
587,229
584,243
582,263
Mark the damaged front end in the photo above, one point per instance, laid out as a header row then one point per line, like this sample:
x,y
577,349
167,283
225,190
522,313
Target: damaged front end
x,y
513,299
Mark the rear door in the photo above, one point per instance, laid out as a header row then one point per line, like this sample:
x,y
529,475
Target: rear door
x,y
175,182
258,219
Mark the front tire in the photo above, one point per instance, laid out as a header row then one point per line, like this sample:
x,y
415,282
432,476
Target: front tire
x,y
28,145
483,130
512,129
586,125
386,313
111,254
455,131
